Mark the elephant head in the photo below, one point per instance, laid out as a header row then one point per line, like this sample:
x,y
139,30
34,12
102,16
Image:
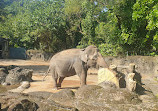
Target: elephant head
x,y
92,57
89,53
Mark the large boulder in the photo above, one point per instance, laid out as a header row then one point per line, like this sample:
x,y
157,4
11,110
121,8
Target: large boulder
x,y
26,102
96,98
64,97
105,74
23,105
17,75
93,94
130,83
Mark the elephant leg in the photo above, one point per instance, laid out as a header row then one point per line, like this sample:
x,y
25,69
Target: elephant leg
x,y
55,78
81,71
55,83
83,78
60,81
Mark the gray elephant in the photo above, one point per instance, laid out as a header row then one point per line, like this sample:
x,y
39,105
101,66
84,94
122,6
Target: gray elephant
x,y
74,61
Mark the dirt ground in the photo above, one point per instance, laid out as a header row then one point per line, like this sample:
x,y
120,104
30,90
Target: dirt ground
x,y
38,84
68,83
6,62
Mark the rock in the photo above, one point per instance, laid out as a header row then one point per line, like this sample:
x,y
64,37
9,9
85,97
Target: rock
x,y
130,83
86,98
23,105
64,97
96,98
17,75
11,67
107,84
24,85
92,94
15,101
41,94
87,107
147,98
118,107
113,67
105,74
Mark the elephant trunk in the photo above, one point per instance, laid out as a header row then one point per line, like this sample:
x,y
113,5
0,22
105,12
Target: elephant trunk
x,y
101,62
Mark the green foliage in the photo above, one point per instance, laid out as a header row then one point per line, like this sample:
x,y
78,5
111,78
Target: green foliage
x,y
132,29
144,16
110,49
35,24
73,7
115,26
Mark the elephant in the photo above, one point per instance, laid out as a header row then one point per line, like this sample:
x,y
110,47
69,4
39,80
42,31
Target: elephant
x,y
74,61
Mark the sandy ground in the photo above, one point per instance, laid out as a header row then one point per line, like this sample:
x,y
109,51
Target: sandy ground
x,y
38,84
72,82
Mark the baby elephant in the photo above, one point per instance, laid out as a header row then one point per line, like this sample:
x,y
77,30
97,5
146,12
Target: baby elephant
x,y
74,61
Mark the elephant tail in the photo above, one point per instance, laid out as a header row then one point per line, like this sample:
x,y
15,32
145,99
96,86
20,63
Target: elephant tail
x,y
46,74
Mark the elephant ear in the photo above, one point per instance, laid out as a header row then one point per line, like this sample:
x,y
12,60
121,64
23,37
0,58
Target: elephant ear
x,y
84,56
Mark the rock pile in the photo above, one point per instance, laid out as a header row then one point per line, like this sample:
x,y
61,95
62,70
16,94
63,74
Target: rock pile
x,y
130,80
86,98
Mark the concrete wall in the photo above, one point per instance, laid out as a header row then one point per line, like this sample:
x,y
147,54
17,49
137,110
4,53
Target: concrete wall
x,y
38,55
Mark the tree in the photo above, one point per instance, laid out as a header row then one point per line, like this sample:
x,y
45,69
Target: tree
x,y
115,26
146,23
36,24
129,26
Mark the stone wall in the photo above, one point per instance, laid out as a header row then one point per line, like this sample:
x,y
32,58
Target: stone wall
x,y
144,64
38,55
